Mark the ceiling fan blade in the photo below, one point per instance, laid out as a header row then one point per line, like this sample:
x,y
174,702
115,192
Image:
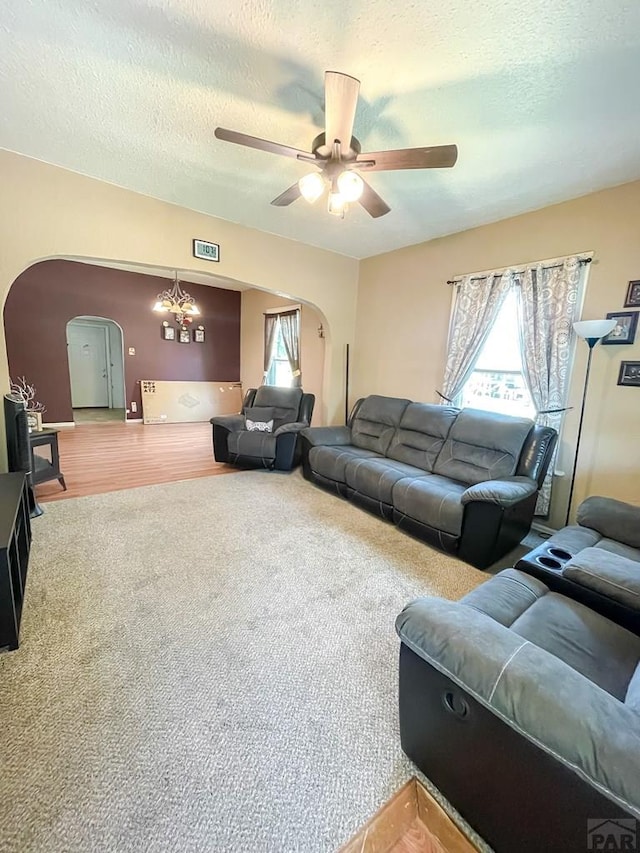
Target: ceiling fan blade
x,y
372,203
438,157
340,102
288,196
262,144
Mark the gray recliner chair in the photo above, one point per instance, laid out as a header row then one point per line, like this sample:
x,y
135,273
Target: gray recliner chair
x,y
265,434
523,707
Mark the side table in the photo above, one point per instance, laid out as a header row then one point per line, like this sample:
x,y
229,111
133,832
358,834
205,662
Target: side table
x,y
44,469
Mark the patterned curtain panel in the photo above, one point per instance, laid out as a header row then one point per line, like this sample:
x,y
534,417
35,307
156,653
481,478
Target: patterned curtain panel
x,y
290,325
548,307
270,330
477,303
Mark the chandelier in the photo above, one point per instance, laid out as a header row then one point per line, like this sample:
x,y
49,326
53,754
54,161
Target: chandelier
x,y
177,302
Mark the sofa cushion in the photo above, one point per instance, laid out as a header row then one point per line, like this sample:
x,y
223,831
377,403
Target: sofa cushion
x,y
376,478
482,446
331,462
376,421
259,445
285,403
421,433
608,574
433,500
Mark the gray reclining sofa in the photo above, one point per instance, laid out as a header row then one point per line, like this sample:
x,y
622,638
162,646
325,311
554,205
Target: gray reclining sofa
x,y
464,480
523,707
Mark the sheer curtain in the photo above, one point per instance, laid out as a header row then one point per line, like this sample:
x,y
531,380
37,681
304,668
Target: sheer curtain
x,y
477,303
548,306
290,326
270,336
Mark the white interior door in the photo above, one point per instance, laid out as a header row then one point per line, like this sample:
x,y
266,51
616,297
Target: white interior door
x,y
88,369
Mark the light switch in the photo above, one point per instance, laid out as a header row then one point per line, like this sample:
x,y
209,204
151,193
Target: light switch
x,y
132,350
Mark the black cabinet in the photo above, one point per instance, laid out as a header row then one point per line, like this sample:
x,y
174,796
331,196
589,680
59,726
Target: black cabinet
x,y
15,543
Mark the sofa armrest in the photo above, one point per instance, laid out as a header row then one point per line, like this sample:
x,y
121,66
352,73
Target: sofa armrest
x,y
505,493
331,435
606,573
612,519
296,426
229,422
532,691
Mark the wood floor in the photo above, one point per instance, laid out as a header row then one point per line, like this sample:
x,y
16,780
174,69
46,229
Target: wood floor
x,y
97,458
410,822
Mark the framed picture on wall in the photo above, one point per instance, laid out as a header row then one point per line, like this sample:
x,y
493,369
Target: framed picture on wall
x,y
629,374
633,295
168,332
184,337
198,335
624,331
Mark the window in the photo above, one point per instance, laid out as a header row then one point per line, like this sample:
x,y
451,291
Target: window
x,y
280,370
497,383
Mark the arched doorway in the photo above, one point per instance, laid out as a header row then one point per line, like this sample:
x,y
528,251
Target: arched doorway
x,y
95,352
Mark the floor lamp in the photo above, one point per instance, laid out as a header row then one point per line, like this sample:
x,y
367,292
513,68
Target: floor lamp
x,y
590,331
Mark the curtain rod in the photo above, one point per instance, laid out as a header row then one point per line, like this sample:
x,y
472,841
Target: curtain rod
x,y
518,272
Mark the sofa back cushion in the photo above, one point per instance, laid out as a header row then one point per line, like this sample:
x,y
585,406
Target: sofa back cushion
x,y
376,422
422,432
482,446
285,403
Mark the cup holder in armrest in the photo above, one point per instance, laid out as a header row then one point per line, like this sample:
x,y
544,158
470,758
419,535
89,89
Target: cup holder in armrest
x,y
560,554
549,562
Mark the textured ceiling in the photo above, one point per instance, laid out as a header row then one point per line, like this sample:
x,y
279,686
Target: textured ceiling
x,y
542,99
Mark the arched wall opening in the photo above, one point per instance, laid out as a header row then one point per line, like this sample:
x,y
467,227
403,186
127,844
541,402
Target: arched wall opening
x,y
50,296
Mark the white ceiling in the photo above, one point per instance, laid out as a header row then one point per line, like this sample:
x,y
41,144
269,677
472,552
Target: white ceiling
x,y
542,98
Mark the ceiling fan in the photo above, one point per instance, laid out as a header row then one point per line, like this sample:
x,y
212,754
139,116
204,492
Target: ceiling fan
x,y
337,154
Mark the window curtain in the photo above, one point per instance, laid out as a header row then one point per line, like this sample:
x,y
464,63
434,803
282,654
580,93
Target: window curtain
x,y
477,303
548,306
290,326
270,337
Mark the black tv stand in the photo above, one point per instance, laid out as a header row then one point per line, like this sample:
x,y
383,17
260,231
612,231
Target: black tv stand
x,y
15,544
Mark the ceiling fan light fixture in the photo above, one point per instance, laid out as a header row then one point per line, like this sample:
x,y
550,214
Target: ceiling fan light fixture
x,y
337,204
350,185
311,186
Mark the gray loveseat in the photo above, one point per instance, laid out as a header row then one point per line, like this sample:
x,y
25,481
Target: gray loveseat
x,y
463,480
596,561
523,707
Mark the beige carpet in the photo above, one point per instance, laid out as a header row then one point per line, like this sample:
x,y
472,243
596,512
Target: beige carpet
x,y
208,666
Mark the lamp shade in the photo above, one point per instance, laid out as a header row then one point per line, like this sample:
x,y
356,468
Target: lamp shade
x,y
337,204
350,185
311,186
593,329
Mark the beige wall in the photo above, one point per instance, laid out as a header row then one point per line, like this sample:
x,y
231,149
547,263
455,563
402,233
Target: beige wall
x,y
49,212
404,308
254,305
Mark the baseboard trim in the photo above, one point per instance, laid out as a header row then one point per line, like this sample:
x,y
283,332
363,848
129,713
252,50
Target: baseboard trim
x,y
133,421
543,528
58,424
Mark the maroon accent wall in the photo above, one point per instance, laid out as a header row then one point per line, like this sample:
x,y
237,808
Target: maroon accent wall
x,y
45,297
